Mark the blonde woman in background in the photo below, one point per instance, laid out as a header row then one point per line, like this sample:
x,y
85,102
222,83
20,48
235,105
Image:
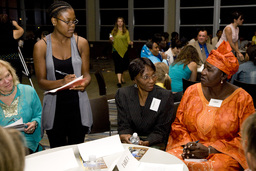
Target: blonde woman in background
x,y
163,79
12,155
121,40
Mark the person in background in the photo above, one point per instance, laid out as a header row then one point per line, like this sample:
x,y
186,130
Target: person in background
x,y
210,115
216,38
242,43
185,66
254,39
231,34
59,58
144,108
12,156
174,37
151,51
9,42
121,40
203,48
20,101
163,79
166,38
173,51
247,70
249,141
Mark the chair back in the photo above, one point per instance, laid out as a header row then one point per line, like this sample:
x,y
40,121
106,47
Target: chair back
x,y
250,88
100,114
187,83
101,83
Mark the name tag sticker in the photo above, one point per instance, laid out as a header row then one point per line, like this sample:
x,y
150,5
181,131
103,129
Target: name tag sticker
x,y
215,102
155,104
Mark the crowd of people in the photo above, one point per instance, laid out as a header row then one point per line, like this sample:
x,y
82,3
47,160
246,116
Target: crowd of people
x,y
215,119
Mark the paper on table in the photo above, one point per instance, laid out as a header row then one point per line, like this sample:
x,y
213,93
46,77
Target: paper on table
x,y
160,167
75,82
19,125
125,163
101,147
56,161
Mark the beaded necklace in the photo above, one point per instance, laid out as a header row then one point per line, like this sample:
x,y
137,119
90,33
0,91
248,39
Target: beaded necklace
x,y
8,93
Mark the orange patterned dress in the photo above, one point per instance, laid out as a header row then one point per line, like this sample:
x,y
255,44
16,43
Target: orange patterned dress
x,y
213,126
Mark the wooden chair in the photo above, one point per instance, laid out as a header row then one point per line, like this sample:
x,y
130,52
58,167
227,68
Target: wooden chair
x,y
250,88
187,83
102,85
100,114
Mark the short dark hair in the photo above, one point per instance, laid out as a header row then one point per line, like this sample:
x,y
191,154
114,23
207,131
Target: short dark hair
x,y
149,44
176,44
157,38
202,29
57,7
236,15
251,51
137,66
174,34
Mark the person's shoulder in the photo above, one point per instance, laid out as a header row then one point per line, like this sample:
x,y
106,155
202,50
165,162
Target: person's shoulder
x,y
25,87
163,92
80,39
41,43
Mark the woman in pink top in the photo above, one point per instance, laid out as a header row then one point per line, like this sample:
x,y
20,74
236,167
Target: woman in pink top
x,y
231,34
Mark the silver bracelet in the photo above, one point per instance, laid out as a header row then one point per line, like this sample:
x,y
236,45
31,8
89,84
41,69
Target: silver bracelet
x,y
209,151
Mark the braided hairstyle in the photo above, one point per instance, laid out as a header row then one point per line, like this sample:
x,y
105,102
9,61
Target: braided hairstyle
x,y
57,7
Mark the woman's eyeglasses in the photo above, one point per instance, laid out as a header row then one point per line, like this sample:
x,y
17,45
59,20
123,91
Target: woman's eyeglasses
x,y
146,77
68,22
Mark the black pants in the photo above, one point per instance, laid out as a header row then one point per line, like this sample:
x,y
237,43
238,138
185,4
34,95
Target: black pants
x,y
67,128
121,64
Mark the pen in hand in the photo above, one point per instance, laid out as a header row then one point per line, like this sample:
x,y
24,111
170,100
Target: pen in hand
x,y
60,72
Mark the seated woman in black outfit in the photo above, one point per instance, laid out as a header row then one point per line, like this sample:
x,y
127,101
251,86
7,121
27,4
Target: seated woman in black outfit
x,y
144,108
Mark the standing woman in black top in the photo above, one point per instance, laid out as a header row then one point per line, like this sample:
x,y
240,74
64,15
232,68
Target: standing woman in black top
x,y
10,32
59,58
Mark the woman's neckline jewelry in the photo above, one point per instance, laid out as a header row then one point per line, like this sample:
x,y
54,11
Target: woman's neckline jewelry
x,y
8,93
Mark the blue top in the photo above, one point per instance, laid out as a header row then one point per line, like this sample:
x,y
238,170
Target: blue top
x,y
176,72
205,49
145,52
246,73
29,109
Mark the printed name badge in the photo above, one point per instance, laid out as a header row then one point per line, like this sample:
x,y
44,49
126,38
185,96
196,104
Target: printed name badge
x,y
155,104
215,102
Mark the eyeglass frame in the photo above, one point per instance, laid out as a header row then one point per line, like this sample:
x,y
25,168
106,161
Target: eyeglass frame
x,y
145,77
69,22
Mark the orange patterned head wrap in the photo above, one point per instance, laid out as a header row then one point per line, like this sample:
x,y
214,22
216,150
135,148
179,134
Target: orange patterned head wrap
x,y
224,59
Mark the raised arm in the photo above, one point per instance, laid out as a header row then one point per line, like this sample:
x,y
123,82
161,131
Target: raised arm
x,y
19,30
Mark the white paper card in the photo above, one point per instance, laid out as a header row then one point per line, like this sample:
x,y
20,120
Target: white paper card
x,y
160,167
101,147
19,125
215,102
155,104
55,161
126,162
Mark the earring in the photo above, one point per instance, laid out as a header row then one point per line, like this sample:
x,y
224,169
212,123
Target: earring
x,y
221,82
135,85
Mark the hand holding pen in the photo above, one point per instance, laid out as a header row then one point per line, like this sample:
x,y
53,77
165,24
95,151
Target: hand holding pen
x,y
67,78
